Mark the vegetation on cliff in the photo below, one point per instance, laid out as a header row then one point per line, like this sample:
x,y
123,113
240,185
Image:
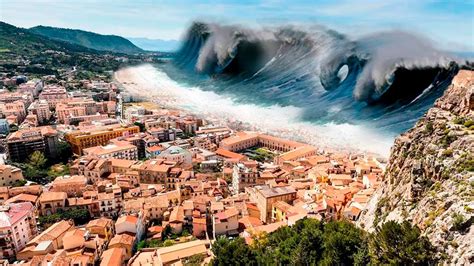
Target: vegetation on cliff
x,y
429,179
310,242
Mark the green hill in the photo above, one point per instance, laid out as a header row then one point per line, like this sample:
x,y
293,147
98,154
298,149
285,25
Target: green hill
x,y
20,41
87,39
28,53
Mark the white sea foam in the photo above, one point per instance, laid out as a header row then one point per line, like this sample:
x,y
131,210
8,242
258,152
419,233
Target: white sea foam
x,y
284,121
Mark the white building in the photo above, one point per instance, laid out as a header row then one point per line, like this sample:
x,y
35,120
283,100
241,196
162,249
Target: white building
x,y
17,227
178,155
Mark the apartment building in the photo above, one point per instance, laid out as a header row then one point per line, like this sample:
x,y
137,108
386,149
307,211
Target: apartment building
x,y
24,142
17,227
50,202
40,108
92,168
74,185
81,139
115,149
15,109
265,196
53,94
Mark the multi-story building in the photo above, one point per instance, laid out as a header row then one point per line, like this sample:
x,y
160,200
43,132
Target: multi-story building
x,y
9,175
110,201
265,196
17,228
16,108
244,175
64,111
154,172
51,202
226,222
116,149
40,108
24,142
92,168
74,185
81,139
53,94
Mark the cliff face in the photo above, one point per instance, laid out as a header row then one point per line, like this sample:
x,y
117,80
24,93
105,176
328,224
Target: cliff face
x,y
429,179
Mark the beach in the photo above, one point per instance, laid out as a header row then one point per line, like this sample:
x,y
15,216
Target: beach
x,y
149,84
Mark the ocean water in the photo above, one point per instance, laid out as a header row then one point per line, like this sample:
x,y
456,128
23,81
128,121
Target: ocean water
x,y
312,84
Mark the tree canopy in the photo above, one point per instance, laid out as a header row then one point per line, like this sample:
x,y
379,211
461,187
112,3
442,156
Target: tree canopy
x,y
310,242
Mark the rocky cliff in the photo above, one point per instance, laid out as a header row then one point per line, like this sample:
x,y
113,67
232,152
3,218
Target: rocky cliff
x,y
429,179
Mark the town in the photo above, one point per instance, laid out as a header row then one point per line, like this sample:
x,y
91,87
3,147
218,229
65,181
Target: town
x,y
91,176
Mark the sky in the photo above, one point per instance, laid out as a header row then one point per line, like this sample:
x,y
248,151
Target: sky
x,y
449,23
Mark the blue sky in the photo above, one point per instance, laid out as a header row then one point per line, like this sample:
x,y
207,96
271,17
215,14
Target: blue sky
x,y
450,23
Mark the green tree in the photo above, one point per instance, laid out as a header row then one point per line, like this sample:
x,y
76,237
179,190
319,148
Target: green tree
x,y
232,252
195,260
341,242
37,160
64,151
400,244
80,216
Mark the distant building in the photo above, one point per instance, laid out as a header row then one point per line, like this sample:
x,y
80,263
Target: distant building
x,y
4,127
53,94
40,108
291,150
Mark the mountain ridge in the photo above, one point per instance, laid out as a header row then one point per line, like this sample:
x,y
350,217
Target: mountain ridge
x,y
92,40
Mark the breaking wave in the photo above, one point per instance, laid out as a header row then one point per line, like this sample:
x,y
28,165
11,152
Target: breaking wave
x,y
386,80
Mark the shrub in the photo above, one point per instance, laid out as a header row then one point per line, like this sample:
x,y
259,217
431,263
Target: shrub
x,y
469,123
400,244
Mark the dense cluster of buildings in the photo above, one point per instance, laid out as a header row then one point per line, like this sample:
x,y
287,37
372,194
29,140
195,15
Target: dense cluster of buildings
x,y
145,174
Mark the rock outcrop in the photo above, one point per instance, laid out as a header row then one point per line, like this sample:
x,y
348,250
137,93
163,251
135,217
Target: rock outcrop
x,y
429,178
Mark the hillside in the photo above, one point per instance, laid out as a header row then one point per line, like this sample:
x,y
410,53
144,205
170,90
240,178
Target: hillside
x,y
20,41
33,54
429,179
87,39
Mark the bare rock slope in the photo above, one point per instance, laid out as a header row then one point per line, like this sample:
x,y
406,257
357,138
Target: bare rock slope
x,y
429,179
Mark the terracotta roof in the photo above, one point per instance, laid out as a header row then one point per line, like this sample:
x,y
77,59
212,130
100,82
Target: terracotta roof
x,y
127,219
177,214
229,154
15,212
113,257
22,198
53,232
180,251
52,196
122,239
101,222
249,221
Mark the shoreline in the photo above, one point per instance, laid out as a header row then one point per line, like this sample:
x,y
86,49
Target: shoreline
x,y
133,81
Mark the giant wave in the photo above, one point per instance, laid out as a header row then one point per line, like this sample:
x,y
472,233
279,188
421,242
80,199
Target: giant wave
x,y
385,81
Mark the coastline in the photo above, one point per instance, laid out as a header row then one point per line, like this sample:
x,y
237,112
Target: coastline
x,y
136,81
